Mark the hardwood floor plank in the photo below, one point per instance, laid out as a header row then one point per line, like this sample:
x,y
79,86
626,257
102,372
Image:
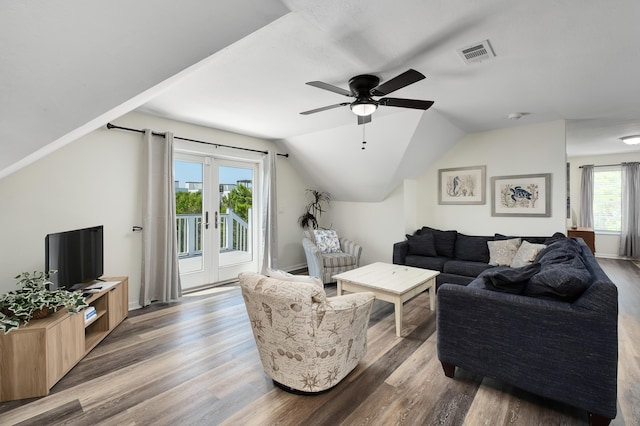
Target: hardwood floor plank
x,y
50,416
195,362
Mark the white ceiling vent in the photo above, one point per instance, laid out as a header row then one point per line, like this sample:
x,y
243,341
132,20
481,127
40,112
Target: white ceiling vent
x,y
477,52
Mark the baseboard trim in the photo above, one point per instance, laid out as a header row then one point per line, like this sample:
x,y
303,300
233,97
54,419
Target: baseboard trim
x,y
294,268
614,256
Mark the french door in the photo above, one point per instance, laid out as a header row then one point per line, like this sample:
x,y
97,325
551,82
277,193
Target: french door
x,y
215,218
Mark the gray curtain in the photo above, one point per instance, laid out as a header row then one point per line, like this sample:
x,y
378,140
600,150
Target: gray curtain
x,y
160,274
586,197
269,219
630,235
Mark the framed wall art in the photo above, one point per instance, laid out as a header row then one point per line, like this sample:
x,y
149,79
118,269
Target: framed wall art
x,y
462,185
521,195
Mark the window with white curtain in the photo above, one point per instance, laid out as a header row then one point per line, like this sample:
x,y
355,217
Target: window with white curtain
x,y
607,204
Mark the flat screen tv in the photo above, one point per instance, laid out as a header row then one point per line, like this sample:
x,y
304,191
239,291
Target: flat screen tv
x,y
77,255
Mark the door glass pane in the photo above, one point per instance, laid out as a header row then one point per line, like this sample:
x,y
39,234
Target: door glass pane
x,y
236,208
188,184
607,200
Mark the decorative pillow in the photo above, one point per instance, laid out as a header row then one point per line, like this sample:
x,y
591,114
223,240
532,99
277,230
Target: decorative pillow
x,y
327,241
422,245
526,254
502,252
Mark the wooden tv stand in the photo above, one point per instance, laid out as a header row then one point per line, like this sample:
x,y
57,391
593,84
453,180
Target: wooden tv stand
x,y
35,357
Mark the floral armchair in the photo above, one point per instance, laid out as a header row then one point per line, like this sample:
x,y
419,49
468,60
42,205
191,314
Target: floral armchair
x,y
327,259
307,342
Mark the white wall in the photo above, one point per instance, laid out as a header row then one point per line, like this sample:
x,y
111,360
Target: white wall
x,y
96,181
375,226
606,244
528,149
521,150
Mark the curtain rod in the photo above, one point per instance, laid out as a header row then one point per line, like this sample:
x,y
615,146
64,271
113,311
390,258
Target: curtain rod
x,y
601,165
217,145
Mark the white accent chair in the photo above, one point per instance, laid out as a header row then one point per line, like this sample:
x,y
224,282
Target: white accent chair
x,y
307,342
326,265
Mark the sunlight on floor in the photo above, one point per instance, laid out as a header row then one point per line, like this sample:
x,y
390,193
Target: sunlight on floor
x,y
212,290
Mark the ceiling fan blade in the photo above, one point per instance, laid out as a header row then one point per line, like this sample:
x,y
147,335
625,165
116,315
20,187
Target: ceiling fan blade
x,y
364,119
405,103
313,111
406,78
330,87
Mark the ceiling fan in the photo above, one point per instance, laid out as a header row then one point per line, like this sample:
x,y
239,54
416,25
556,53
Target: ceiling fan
x,y
365,87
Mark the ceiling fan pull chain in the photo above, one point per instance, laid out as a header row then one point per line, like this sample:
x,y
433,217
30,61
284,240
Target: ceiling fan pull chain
x,y
364,142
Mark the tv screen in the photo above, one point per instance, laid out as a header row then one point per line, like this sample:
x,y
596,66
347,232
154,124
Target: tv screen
x,y
77,256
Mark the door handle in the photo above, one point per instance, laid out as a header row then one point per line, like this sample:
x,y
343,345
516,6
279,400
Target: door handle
x,y
216,221
206,220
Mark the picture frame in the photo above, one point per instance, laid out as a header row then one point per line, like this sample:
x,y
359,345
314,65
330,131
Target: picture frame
x,y
521,195
462,185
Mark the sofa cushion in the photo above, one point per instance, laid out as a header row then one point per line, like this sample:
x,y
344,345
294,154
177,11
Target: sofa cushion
x,y
509,280
426,262
472,248
560,251
563,275
444,278
526,254
445,241
327,240
465,267
422,244
502,252
555,237
559,282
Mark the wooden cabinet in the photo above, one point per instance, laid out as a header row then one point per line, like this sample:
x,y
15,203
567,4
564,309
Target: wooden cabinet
x,y
586,234
34,358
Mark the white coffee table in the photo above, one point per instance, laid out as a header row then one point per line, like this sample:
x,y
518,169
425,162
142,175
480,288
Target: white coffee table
x,y
391,283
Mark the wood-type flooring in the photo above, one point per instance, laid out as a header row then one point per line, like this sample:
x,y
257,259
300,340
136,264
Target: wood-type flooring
x,y
195,363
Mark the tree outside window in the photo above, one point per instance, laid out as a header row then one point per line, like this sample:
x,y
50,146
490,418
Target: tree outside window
x,y
607,204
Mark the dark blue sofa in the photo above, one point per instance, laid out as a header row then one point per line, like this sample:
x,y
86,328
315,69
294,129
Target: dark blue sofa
x,y
460,258
554,335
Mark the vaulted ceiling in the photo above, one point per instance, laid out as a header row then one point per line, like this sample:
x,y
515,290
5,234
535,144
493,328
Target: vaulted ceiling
x,y
69,67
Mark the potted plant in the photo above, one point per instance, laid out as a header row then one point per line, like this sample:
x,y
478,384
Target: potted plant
x,y
33,300
314,209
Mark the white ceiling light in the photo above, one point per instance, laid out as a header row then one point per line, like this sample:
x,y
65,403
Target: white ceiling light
x,y
364,107
631,140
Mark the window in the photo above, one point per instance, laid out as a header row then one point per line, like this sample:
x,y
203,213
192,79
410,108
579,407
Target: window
x,y
607,193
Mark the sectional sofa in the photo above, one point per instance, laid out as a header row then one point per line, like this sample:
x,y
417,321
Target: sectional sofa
x,y
460,258
550,328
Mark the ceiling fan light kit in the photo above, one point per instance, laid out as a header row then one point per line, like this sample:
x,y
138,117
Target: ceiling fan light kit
x,y
364,108
631,140
364,87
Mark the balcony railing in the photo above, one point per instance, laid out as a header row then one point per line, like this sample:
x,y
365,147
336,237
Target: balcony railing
x,y
234,233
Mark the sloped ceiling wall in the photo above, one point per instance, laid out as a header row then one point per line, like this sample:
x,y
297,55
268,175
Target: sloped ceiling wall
x,y
399,146
69,66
